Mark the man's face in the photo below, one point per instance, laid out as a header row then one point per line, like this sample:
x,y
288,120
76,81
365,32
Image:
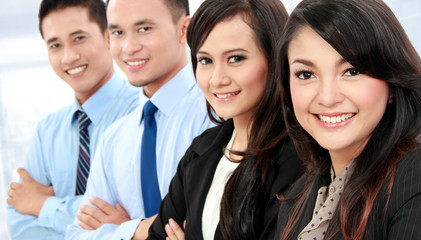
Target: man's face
x,y
78,50
145,42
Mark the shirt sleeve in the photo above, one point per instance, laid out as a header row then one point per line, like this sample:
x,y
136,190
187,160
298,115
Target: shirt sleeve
x,y
56,212
100,186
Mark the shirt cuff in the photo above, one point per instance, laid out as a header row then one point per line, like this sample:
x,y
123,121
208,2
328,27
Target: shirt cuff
x,y
127,229
57,213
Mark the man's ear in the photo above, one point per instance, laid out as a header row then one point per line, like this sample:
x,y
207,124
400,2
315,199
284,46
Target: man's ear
x,y
185,21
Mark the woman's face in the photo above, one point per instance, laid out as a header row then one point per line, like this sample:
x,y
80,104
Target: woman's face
x,y
232,70
338,106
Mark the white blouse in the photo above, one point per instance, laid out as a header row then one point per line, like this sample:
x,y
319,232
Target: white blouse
x,y
211,210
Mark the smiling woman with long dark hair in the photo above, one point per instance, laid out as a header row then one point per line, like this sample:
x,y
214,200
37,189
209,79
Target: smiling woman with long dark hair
x,y
351,84
226,183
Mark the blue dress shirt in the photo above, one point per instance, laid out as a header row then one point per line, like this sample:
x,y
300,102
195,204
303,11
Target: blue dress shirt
x,y
53,155
115,174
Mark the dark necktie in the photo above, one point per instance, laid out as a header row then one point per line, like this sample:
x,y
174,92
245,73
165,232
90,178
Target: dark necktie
x,y
149,178
84,156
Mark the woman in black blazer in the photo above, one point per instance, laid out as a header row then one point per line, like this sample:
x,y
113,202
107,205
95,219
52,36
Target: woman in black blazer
x,y
225,186
351,83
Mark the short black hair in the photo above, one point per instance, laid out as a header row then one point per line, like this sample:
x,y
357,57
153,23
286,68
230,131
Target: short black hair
x,y
177,8
96,9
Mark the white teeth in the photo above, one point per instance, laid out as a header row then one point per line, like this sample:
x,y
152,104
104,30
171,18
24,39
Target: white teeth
x,y
336,119
226,95
76,70
136,62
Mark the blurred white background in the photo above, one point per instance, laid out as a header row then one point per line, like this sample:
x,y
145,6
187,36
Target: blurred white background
x,y
29,89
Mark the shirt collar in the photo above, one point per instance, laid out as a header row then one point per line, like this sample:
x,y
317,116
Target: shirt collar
x,y
348,170
99,102
167,97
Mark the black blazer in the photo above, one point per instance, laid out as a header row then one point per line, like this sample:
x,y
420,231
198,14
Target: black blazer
x,y
189,187
402,219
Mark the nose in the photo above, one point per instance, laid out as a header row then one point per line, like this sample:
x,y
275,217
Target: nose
x,y
131,45
219,76
70,56
330,92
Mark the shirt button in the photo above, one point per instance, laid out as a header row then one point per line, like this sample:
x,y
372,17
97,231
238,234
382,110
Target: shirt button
x,y
332,190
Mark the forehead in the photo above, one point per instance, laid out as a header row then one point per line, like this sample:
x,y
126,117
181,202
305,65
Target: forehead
x,y
230,33
67,20
307,43
122,12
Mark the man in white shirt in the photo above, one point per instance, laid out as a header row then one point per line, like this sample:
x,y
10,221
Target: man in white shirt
x,y
148,42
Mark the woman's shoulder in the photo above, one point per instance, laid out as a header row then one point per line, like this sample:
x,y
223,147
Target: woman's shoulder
x,y
406,181
215,136
408,174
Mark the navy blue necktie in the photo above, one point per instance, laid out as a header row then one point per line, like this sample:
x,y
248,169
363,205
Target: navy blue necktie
x,y
149,178
84,163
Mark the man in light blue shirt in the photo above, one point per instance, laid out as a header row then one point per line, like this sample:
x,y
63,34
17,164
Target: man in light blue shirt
x,y
43,203
148,42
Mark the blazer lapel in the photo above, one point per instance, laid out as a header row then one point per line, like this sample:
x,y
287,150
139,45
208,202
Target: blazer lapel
x,y
201,171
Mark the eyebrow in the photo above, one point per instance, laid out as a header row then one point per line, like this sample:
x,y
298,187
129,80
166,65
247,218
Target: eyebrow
x,y
138,23
226,52
53,39
311,64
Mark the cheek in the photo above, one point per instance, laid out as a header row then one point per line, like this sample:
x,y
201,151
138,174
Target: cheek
x,y
116,46
371,95
298,97
202,79
55,62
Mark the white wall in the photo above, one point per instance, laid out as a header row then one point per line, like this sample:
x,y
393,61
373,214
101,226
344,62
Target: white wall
x,y
29,89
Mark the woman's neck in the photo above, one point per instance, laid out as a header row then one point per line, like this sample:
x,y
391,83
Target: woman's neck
x,y
242,133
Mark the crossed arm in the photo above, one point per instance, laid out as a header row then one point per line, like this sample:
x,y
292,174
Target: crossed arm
x,y
29,196
91,218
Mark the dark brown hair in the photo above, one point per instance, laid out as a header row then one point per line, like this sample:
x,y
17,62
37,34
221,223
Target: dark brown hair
x,y
368,36
96,10
240,217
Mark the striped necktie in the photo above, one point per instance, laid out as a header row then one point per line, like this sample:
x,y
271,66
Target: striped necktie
x,y
84,156
149,178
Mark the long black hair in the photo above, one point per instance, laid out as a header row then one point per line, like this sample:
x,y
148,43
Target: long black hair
x,y
368,36
240,217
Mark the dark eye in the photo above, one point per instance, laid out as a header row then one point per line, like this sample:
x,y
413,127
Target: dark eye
x,y
54,46
116,33
235,59
205,61
144,29
79,38
351,72
304,75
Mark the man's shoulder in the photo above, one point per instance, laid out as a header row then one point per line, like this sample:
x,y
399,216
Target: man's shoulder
x,y
58,117
125,124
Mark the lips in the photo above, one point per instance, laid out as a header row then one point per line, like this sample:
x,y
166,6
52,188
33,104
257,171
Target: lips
x,y
335,119
76,70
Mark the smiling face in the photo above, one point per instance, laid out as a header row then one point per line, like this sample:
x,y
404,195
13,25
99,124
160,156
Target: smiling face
x,y
77,50
333,102
232,70
145,42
